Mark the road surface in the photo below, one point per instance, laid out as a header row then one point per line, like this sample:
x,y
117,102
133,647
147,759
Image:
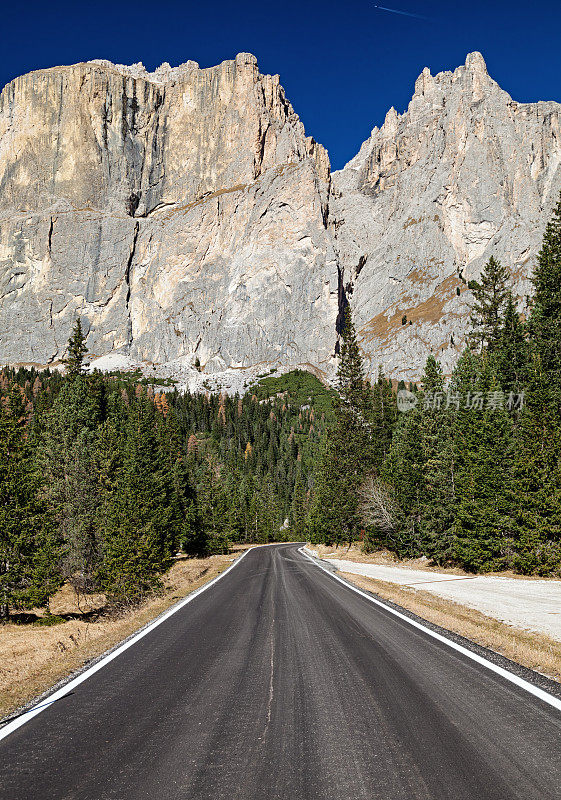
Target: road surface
x,y
280,682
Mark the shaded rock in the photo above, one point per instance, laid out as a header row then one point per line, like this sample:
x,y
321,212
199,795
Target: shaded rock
x,y
463,174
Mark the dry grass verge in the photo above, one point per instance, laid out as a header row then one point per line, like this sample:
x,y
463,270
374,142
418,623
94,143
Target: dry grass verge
x,y
34,657
533,650
388,559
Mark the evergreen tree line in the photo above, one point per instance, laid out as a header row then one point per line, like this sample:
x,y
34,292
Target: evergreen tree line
x,y
470,473
94,491
103,480
252,458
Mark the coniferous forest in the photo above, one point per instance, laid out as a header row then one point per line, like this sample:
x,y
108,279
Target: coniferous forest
x,y
104,478
465,471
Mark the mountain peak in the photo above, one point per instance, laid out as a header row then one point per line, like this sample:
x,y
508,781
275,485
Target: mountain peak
x,y
463,174
476,63
165,73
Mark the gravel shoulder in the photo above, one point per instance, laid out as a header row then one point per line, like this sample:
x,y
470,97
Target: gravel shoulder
x,y
532,605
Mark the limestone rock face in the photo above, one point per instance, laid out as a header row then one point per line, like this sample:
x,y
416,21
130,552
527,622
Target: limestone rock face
x,y
184,214
463,174
180,213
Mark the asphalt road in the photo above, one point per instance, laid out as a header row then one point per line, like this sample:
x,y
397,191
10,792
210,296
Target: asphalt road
x,y
280,682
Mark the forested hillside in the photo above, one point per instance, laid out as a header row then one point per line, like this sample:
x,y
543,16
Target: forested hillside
x,y
103,478
252,458
468,471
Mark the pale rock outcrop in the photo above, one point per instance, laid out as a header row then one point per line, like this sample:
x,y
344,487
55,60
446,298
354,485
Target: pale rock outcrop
x,y
179,212
463,174
184,213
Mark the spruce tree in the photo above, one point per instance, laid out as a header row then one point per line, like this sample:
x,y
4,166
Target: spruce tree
x,y
384,417
349,455
537,469
298,510
545,317
65,456
490,295
76,350
433,379
538,462
483,469
402,472
29,549
512,351
139,536
418,476
435,509
216,514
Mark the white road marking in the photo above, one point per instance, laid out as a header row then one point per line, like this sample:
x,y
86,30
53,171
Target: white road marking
x,y
25,716
509,676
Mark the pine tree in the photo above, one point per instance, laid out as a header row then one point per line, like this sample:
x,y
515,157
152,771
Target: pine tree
x,y
537,501
139,513
545,317
65,456
490,295
512,350
384,417
76,350
433,379
349,454
298,509
435,509
192,445
418,475
214,509
402,473
28,547
483,470
538,439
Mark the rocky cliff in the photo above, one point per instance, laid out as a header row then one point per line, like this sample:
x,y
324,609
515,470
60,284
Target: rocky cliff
x,y
463,174
184,214
181,213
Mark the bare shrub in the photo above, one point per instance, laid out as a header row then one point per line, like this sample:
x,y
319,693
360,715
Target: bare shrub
x,y
378,508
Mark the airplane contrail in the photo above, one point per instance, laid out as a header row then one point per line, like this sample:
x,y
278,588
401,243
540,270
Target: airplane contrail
x,y
403,13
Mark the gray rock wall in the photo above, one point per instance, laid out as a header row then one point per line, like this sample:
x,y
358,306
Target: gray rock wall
x,y
463,174
180,213
185,214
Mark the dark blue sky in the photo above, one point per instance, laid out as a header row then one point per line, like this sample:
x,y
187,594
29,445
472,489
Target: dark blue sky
x,y
343,64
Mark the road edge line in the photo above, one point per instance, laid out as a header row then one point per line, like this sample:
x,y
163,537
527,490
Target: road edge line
x,y
44,701
504,673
